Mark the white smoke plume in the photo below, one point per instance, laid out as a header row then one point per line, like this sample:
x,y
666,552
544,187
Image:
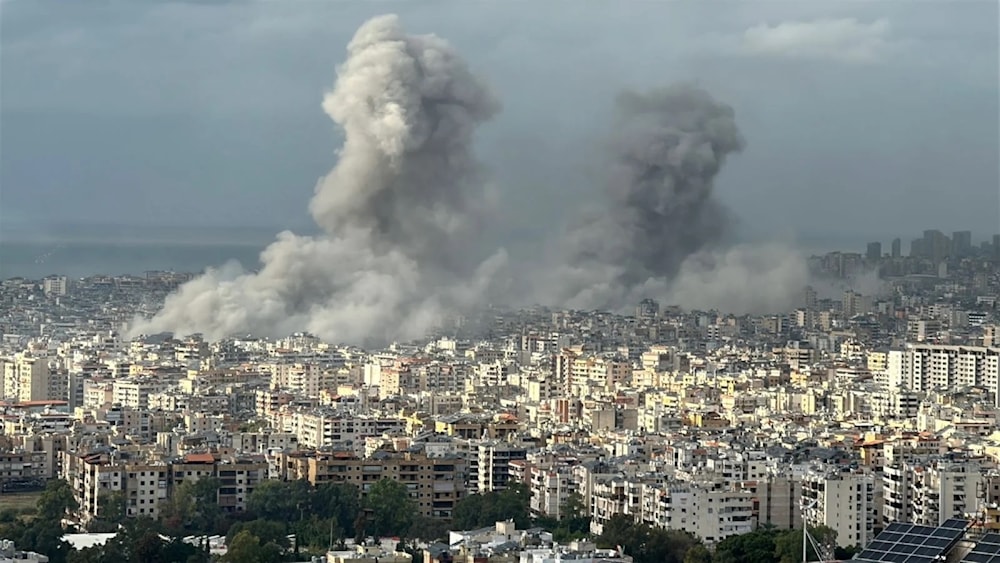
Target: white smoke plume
x,y
743,279
399,211
662,232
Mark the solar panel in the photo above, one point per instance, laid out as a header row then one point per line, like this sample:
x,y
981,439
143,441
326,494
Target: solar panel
x,y
987,550
912,543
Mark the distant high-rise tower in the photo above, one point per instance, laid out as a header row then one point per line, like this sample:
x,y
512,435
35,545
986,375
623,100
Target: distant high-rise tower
x,y
996,248
937,245
961,244
918,248
810,297
874,252
897,248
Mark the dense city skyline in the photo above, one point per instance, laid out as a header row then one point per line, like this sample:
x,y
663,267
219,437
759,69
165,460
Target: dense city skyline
x,y
493,282
517,430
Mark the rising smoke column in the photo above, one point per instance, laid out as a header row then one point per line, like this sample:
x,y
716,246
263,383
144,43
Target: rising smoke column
x,y
398,210
668,146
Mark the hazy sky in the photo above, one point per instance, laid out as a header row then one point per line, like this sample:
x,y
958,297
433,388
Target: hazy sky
x,y
861,117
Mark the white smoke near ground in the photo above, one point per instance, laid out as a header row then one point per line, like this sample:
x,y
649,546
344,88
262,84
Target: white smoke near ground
x,y
744,279
866,282
400,211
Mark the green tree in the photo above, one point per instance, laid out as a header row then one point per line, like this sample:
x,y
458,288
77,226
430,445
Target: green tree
x,y
280,500
341,501
317,533
788,544
139,541
243,548
477,511
177,550
845,553
429,529
646,544
194,507
392,510
45,537
264,530
246,548
698,554
111,511
758,545
468,512
147,547
668,546
8,515
572,507
360,526
110,552
56,500
513,503
565,530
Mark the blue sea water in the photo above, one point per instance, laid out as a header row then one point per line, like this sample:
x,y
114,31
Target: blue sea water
x,y
37,259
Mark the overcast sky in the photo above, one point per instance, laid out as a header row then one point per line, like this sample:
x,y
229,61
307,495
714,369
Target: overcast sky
x,y
862,118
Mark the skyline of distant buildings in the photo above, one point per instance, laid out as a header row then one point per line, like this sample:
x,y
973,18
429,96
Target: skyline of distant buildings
x,y
934,245
861,407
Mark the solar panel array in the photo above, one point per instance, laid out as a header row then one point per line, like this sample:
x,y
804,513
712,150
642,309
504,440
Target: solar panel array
x,y
911,543
987,550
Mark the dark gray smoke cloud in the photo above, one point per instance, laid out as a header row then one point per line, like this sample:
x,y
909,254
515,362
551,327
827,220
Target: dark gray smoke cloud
x,y
668,147
399,211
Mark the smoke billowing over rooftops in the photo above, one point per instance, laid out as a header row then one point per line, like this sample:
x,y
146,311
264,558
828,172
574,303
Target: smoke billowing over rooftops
x,y
397,210
402,214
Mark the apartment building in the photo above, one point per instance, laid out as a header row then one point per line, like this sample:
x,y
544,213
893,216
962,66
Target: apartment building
x,y
147,484
134,392
25,378
92,476
261,442
842,499
494,459
607,495
930,489
98,394
319,428
302,378
435,483
943,489
923,367
20,467
777,501
43,450
442,377
712,510
895,403
55,285
550,484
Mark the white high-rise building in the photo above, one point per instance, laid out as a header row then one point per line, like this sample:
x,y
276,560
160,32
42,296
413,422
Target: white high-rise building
x,y
922,367
843,500
494,464
55,285
25,378
711,511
